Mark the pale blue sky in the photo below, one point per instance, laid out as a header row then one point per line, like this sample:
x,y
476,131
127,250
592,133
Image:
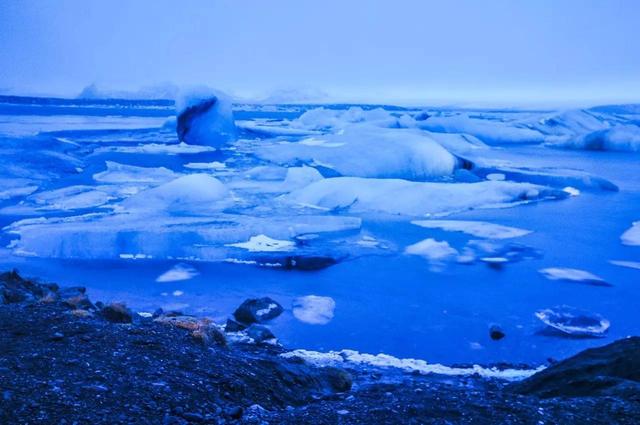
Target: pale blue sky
x,y
493,51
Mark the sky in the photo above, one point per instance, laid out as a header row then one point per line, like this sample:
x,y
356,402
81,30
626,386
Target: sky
x,y
449,51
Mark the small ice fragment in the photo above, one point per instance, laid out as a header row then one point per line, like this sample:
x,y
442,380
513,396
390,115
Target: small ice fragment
x,y
177,273
145,314
573,275
263,243
314,309
481,229
178,293
431,249
629,264
215,165
632,236
496,177
572,191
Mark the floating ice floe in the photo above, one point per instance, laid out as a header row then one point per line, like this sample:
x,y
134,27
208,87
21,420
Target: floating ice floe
x,y
314,309
628,264
490,132
404,197
177,273
299,177
122,173
215,165
193,194
632,236
479,229
263,243
205,117
574,322
431,249
573,275
367,151
331,119
158,149
354,358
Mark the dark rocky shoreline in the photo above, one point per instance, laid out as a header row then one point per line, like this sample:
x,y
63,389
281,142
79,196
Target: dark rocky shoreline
x,y
65,360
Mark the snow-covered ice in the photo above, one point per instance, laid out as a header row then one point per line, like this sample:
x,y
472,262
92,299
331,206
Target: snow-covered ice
x,y
263,243
632,235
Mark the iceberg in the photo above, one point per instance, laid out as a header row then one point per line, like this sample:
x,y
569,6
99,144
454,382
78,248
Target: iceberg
x,y
205,117
479,229
488,131
362,150
395,196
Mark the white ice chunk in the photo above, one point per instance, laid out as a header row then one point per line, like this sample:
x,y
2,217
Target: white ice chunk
x,y
263,243
157,149
432,249
632,236
298,177
314,309
177,273
573,275
479,229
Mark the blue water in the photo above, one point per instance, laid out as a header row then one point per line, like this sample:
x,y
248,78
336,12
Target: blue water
x,y
396,303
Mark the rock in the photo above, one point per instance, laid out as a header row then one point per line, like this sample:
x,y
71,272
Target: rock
x,y
81,313
339,379
80,301
613,369
193,417
57,336
157,313
210,334
12,295
234,412
233,326
183,322
258,310
260,333
309,263
71,291
496,333
117,313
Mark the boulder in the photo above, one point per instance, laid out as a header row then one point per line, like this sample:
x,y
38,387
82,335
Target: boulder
x,y
496,333
233,326
258,310
260,333
117,313
613,370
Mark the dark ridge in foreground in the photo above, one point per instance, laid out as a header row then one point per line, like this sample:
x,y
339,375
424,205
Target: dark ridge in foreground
x,y
64,360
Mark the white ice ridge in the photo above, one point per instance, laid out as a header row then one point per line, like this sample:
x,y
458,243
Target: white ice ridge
x,y
479,229
314,309
574,275
409,365
177,273
263,243
122,173
632,236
